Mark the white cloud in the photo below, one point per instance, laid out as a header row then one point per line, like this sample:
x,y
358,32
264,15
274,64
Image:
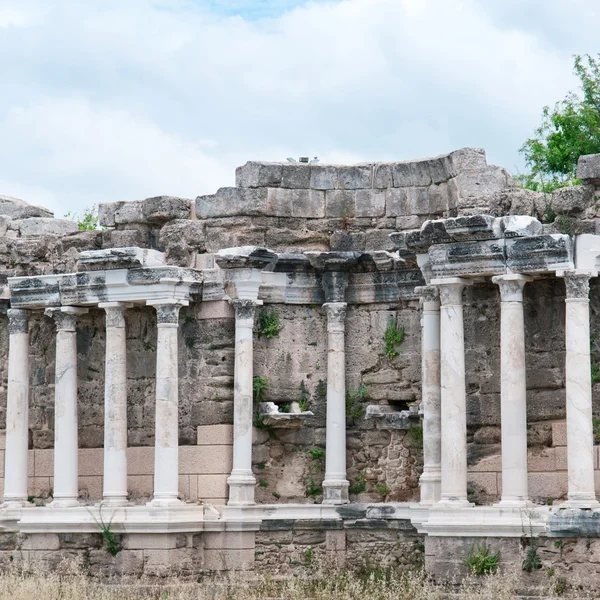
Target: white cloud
x,y
112,100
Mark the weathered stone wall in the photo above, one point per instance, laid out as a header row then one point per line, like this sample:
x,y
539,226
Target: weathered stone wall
x,y
298,207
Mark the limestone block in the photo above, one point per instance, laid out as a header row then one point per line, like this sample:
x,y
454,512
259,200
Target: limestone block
x,y
40,541
82,240
547,485
539,253
107,212
154,541
438,198
559,434
489,464
544,461
411,222
162,562
215,435
140,460
229,202
279,201
340,203
39,486
140,485
378,240
259,174
572,200
43,463
382,175
230,540
228,560
370,203
205,459
560,452
124,239
335,541
2,439
345,241
467,159
588,167
91,461
183,230
411,173
92,485
487,481
309,206
36,226
355,177
219,309
129,212
160,209
184,487
396,202
19,209
484,183
295,175
323,177
417,201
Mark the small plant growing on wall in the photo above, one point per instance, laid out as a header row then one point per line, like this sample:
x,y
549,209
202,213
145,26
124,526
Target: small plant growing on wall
x,y
393,336
304,398
354,409
480,561
268,324
112,545
260,387
415,436
359,485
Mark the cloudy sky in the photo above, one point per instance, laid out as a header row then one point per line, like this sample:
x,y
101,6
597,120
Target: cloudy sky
x,y
105,100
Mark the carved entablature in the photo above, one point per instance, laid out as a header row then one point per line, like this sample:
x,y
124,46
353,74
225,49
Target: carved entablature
x,y
482,245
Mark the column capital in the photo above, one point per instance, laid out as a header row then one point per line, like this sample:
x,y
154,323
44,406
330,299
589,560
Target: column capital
x,y
450,289
245,309
167,313
577,283
18,320
65,317
336,315
511,286
429,297
115,313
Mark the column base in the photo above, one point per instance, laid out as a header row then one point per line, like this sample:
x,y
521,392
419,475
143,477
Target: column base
x,y
514,503
64,503
241,490
14,503
431,487
114,501
453,502
580,503
164,501
335,491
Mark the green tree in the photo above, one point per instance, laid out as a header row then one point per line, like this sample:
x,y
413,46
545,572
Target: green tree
x,y
87,221
568,131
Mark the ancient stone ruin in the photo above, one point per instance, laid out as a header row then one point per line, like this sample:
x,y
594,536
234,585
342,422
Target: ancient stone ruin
x,y
381,364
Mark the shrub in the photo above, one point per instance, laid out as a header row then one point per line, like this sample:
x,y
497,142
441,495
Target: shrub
x,y
268,324
392,337
479,561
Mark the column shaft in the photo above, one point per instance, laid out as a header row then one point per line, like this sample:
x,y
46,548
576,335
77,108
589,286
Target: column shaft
x,y
115,406
66,445
242,481
513,387
17,410
430,480
453,393
166,446
335,484
580,436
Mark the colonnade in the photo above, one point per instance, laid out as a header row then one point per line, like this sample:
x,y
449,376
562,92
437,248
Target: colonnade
x,y
65,489
444,478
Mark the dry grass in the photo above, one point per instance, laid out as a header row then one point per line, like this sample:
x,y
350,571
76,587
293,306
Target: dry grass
x,y
72,584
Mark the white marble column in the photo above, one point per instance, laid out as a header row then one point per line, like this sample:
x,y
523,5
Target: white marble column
x,y
453,392
166,445
430,480
242,481
17,410
115,405
66,446
335,484
513,391
580,436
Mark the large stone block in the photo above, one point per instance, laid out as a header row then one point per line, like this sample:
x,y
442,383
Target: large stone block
x,y
215,435
323,177
212,487
588,167
229,202
411,174
129,212
295,175
382,175
19,209
259,174
228,559
205,459
229,540
370,203
572,200
559,434
183,230
340,203
355,177
396,202
36,226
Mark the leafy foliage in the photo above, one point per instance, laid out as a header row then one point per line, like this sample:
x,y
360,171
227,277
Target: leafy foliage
x,y
268,324
415,434
392,337
532,561
304,398
354,409
312,489
86,221
568,130
479,561
359,485
382,489
260,386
